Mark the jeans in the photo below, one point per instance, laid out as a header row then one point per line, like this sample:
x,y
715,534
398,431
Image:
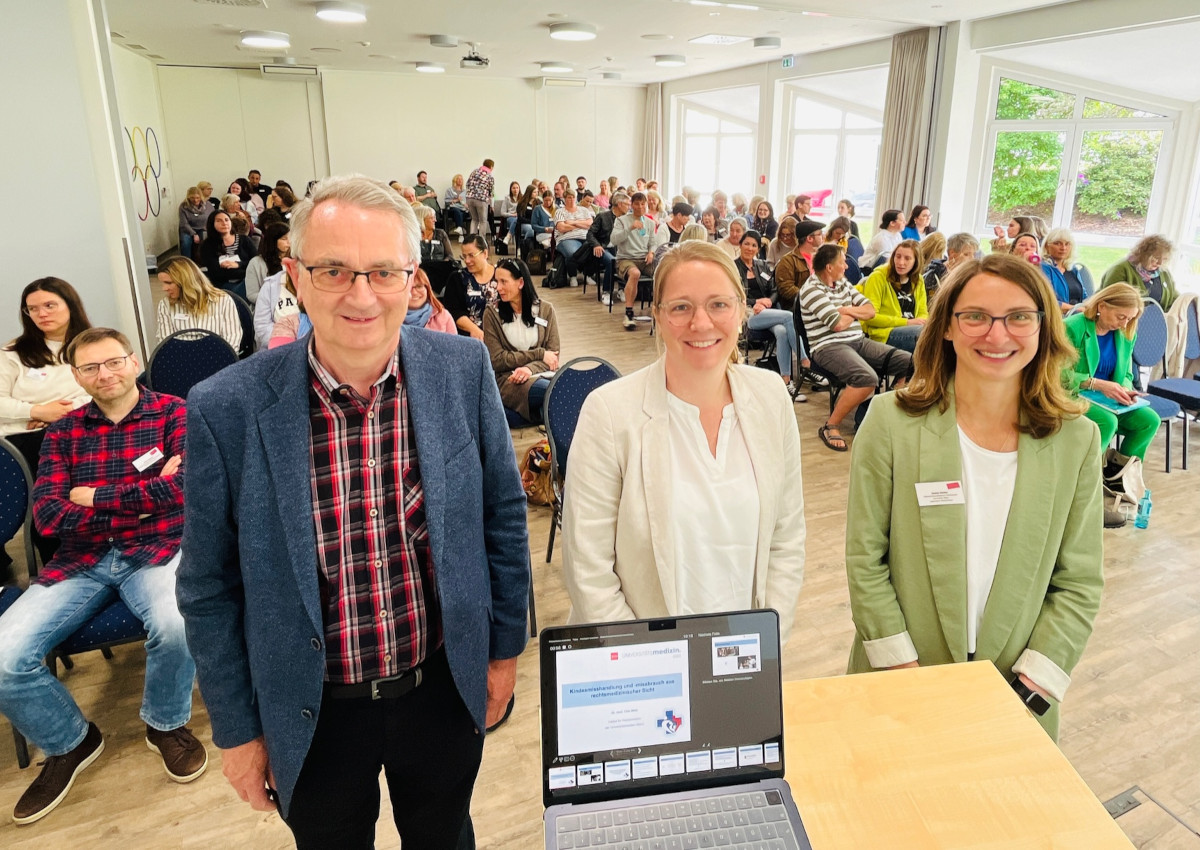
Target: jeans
x,y
567,248
457,214
526,229
609,263
45,615
905,337
187,244
537,395
783,325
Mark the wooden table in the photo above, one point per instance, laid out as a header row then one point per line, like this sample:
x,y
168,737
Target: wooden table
x,y
933,757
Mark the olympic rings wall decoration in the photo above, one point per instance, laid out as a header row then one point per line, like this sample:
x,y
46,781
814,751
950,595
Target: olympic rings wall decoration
x,y
143,146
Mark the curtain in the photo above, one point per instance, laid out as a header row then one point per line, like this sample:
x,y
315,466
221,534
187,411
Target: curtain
x,y
652,138
904,154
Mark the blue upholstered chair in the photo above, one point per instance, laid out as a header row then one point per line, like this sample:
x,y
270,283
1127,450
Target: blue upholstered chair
x,y
1150,350
246,317
564,398
1180,391
186,358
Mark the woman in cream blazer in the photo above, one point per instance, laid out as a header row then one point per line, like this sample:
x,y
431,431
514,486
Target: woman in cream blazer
x,y
619,523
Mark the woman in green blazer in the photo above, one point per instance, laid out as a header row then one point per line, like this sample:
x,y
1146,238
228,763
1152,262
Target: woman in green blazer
x,y
1145,270
897,291
974,527
1103,334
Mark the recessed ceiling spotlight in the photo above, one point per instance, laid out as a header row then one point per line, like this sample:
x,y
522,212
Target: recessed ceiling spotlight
x,y
380,56
443,40
265,39
555,67
337,12
572,32
657,36
610,75
430,68
767,42
717,38
670,60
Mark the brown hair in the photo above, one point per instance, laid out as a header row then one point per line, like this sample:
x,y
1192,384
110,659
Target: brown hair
x,y
30,347
1151,246
1044,401
914,275
694,251
1119,295
94,335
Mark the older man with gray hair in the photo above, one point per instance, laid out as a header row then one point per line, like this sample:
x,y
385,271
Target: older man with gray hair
x,y
355,572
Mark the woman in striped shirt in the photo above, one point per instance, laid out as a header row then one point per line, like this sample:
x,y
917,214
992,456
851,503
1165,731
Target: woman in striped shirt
x,y
192,302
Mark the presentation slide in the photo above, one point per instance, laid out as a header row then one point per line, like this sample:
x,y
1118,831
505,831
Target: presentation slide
x,y
615,698
735,654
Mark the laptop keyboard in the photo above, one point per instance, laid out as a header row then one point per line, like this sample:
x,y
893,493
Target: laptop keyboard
x,y
752,821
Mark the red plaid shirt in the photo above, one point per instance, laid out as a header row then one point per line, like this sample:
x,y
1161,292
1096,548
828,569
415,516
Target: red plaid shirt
x,y
138,513
376,571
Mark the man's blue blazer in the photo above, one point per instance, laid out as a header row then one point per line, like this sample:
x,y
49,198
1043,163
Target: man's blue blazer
x,y
247,582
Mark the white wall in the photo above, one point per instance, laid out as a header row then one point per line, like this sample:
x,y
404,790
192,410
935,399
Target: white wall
x,y
154,198
221,122
391,126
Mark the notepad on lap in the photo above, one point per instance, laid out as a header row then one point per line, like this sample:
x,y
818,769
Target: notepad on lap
x,y
1097,397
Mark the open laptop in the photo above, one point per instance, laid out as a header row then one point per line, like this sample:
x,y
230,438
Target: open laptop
x,y
666,735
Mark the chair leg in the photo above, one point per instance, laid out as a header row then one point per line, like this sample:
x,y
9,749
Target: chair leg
x,y
106,652
22,749
1186,428
67,663
1168,427
533,628
553,527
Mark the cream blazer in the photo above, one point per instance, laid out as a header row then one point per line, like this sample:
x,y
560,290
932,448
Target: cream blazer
x,y
618,544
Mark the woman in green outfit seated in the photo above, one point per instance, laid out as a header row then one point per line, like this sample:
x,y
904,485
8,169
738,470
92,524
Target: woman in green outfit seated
x,y
1103,334
1145,270
897,291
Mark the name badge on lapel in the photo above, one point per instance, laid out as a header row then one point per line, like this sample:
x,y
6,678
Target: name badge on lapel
x,y
148,459
940,493
540,322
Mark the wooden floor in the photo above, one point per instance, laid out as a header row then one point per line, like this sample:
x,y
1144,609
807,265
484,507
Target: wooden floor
x,y
1132,716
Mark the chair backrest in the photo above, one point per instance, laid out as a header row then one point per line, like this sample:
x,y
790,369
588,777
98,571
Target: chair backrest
x,y
16,502
564,399
1191,346
1085,279
186,358
439,273
1150,347
246,317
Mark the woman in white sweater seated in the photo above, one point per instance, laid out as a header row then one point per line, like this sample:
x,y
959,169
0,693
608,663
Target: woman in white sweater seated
x,y
885,239
683,493
193,302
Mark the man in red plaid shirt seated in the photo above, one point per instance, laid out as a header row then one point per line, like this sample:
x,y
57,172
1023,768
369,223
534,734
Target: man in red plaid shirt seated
x,y
110,487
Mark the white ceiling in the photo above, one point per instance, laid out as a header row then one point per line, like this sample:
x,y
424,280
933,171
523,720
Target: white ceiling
x,y
514,34
1158,60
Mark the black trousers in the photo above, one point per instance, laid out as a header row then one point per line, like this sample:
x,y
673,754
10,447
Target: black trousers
x,y
429,749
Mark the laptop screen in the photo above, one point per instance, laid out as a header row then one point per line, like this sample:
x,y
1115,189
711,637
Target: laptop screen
x,y
650,706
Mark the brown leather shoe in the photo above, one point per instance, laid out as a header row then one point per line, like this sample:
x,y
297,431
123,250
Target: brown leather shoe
x,y
57,776
183,756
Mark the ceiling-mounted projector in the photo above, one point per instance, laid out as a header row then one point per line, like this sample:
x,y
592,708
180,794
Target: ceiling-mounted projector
x,y
473,59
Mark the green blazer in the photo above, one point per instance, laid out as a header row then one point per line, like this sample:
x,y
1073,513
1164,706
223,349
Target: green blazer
x,y
880,292
1124,272
1082,332
906,564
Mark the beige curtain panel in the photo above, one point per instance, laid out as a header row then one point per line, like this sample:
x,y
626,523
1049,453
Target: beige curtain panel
x,y
652,139
907,119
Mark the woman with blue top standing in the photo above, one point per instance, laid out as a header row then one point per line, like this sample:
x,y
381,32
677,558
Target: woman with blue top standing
x,y
897,291
1104,333
1072,282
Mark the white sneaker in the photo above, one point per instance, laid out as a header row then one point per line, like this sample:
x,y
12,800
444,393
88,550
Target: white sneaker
x,y
606,299
621,294
628,323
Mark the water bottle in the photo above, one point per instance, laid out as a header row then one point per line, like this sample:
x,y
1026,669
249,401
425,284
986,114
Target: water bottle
x,y
1143,514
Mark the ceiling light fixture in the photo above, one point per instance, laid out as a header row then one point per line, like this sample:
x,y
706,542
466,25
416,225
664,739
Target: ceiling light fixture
x,y
572,32
430,68
705,3
555,67
338,12
610,75
745,7
266,39
767,42
443,40
670,60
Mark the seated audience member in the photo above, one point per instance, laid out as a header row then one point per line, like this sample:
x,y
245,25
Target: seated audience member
x,y
897,292
251,202
740,208
655,207
886,238
636,236
588,202
255,184
680,218
273,247
919,224
193,216
581,187
793,269
225,255
612,185
764,223
845,209
783,243
276,299
521,335
282,198
762,301
1016,225
508,210
192,302
291,319
1072,282
426,194
732,243
640,185
522,228
571,222
959,248
695,457
603,195
1103,334
692,198
206,192
1026,247
243,224
933,259
435,242
599,239
470,292
803,208
542,219
454,205
424,309
841,233
1145,270
713,225
789,208
832,310
694,232
117,510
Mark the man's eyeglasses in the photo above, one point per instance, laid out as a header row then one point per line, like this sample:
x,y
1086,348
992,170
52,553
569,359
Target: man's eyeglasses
x,y
112,364
340,279
39,309
682,312
1019,323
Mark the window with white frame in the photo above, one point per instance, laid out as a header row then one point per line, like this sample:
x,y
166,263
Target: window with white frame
x,y
718,141
1075,157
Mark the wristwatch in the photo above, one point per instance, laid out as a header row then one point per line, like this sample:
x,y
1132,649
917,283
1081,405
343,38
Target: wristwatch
x,y
1034,701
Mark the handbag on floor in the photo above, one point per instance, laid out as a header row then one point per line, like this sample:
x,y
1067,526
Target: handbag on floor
x,y
1123,483
535,474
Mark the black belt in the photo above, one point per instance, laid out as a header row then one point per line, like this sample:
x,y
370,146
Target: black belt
x,y
392,687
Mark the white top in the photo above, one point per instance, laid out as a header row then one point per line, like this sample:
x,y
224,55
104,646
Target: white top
x,y
715,512
882,245
221,318
22,387
580,213
519,335
988,479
